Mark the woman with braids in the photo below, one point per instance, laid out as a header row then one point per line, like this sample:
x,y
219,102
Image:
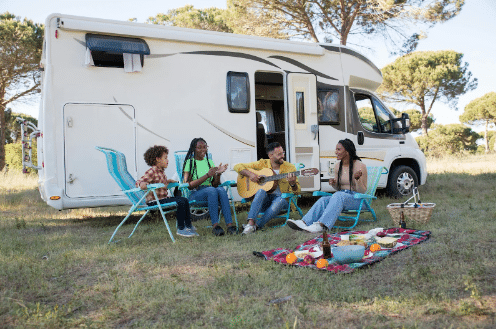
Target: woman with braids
x,y
351,178
204,179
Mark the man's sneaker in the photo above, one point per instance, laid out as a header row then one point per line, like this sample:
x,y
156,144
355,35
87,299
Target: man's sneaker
x,y
249,229
232,230
186,233
297,224
314,228
193,230
218,231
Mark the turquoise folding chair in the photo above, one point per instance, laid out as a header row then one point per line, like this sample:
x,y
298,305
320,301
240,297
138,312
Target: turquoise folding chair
x,y
373,177
116,165
199,206
292,200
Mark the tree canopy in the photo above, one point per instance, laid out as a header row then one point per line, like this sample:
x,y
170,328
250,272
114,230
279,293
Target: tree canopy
x,y
448,139
237,18
424,77
481,110
340,19
416,119
20,52
13,127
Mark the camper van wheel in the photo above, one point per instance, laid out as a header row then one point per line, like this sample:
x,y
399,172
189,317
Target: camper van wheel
x,y
198,214
401,182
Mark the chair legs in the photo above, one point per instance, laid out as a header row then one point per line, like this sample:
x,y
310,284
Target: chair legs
x,y
122,222
356,219
142,217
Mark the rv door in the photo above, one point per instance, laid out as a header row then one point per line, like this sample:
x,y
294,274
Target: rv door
x,y
90,125
303,134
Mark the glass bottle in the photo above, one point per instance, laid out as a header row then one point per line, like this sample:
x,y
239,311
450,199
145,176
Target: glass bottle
x,y
326,246
402,220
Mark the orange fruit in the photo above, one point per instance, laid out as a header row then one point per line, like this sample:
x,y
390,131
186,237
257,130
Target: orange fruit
x,y
291,258
375,247
322,263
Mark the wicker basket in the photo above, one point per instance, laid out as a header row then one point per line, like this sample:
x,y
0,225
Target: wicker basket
x,y
419,213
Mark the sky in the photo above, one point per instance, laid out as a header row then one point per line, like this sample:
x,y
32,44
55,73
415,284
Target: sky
x,y
471,33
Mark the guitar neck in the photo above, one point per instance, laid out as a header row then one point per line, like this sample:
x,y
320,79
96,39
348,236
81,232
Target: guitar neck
x,y
281,176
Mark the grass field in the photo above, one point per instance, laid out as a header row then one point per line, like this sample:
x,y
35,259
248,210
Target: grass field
x,y
57,270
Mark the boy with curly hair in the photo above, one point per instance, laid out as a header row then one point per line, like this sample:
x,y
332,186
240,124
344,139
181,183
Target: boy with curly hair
x,y
157,158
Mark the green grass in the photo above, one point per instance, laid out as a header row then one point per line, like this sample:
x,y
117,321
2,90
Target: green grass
x,y
57,270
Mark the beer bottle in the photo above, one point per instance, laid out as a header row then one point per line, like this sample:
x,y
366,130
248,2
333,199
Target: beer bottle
x,y
326,246
402,220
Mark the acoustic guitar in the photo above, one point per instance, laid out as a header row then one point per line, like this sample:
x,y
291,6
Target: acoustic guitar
x,y
268,180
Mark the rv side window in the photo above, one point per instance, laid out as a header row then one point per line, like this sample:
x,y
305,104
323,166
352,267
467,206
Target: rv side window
x,y
383,116
238,92
373,115
366,113
300,108
112,51
328,106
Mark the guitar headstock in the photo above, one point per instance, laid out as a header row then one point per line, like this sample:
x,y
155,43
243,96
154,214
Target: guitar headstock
x,y
309,172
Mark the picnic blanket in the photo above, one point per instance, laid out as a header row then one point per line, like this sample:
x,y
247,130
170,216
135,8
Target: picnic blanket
x,y
406,239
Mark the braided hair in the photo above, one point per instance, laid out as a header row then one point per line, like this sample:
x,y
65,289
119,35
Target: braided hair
x,y
350,148
190,157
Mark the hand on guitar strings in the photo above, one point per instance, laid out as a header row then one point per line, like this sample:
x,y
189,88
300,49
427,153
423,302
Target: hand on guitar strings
x,y
292,179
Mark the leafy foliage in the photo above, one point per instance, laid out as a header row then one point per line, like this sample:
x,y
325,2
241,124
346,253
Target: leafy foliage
x,y
424,77
20,52
393,20
416,119
237,18
449,139
481,110
205,19
12,127
13,156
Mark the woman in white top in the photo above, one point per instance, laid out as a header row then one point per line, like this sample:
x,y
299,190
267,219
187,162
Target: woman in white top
x,y
351,178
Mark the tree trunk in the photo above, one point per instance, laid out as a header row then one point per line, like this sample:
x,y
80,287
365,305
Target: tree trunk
x,y
424,123
486,139
2,136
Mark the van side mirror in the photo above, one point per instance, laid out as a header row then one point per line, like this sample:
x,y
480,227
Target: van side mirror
x,y
405,124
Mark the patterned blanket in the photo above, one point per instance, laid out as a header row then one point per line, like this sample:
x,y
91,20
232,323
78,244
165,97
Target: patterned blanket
x,y
406,239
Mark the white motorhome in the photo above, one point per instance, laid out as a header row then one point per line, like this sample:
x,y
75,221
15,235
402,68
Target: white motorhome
x,y
129,86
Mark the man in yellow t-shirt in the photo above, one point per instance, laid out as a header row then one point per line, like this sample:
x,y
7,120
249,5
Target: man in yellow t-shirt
x,y
269,203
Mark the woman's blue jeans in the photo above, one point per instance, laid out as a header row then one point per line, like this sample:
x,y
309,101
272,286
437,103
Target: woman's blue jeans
x,y
270,204
213,196
328,208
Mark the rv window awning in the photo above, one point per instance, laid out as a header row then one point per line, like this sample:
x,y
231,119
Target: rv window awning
x,y
116,45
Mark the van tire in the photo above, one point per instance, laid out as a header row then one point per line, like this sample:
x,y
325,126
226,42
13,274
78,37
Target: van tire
x,y
401,182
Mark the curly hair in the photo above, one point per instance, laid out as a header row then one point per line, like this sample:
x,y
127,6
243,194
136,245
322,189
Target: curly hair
x,y
153,153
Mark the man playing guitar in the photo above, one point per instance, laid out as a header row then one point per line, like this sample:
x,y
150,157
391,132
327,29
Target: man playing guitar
x,y
269,203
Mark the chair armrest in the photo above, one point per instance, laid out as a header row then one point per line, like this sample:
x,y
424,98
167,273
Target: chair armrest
x,y
149,187
154,186
363,196
321,193
289,195
228,183
171,185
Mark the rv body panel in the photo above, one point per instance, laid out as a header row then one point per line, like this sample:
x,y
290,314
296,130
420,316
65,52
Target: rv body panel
x,y
184,84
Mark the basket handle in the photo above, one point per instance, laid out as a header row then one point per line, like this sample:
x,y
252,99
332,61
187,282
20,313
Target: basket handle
x,y
415,195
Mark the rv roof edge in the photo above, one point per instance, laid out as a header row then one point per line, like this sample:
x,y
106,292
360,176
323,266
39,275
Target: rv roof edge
x,y
183,34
